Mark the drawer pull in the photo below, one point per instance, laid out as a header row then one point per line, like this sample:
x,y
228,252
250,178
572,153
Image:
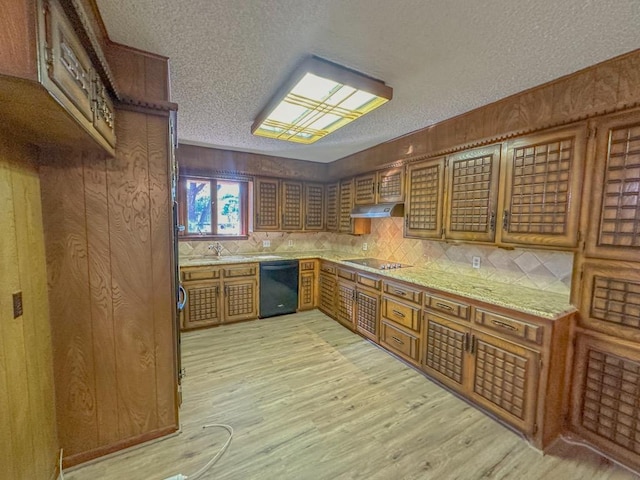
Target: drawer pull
x,y
399,292
397,313
500,324
397,340
442,305
466,342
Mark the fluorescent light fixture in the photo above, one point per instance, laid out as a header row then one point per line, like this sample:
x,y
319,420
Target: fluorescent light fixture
x,y
319,98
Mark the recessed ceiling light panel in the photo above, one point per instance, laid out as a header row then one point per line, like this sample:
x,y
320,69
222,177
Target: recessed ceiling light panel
x,y
319,98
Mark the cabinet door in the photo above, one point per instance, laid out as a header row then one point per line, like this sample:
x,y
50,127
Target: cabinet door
x,y
345,303
604,406
391,185
472,194
313,206
266,204
367,318
202,308
614,202
240,300
345,223
327,294
425,197
610,300
331,210
445,351
291,205
504,379
543,186
307,290
365,189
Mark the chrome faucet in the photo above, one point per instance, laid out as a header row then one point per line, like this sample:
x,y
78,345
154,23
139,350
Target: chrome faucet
x,y
218,249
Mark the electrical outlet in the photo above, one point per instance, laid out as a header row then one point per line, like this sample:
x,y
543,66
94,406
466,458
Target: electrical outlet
x,y
475,262
266,243
365,246
290,243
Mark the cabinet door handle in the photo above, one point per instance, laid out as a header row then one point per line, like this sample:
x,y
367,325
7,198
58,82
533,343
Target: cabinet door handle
x,y
397,340
473,344
398,313
442,305
406,220
505,220
492,221
466,342
504,325
400,292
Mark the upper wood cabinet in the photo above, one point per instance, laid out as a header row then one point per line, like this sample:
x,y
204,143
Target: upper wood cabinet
x,y
332,196
313,206
379,187
346,224
472,194
49,87
542,187
266,197
425,199
291,201
286,205
613,204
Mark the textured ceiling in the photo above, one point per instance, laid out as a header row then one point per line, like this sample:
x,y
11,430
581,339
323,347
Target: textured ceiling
x,y
442,57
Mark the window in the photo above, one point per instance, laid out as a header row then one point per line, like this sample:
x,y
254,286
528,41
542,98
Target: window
x,y
212,207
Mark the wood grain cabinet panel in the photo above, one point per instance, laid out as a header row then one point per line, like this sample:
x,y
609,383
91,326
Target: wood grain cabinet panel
x,y
405,292
345,303
203,306
240,299
610,300
390,186
314,216
308,285
365,189
400,342
346,202
445,350
332,196
472,194
604,406
408,316
327,291
614,203
542,188
425,198
291,205
367,313
266,204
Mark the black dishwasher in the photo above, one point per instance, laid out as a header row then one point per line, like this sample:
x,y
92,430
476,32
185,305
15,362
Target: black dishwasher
x,y
278,287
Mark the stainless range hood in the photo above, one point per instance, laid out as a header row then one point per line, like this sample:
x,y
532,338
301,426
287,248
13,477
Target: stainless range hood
x,y
381,210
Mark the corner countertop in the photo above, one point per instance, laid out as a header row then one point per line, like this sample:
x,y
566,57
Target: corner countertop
x,y
540,303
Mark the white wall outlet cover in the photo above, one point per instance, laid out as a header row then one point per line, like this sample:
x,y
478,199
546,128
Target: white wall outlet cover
x,y
266,243
365,246
290,243
475,262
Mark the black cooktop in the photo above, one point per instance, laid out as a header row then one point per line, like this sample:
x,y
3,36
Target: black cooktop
x,y
377,263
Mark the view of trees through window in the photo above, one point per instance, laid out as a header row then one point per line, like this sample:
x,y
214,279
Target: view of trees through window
x,y
208,214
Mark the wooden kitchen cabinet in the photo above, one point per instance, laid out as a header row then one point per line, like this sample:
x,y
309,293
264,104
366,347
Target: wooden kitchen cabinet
x,y
345,302
383,186
367,308
292,206
332,195
266,204
314,214
327,289
203,307
346,224
604,406
424,206
613,205
401,321
240,287
542,184
308,285
472,194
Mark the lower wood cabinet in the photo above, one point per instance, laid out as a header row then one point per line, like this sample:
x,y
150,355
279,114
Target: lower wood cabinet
x,y
327,291
605,407
401,321
367,312
358,302
345,302
308,285
202,308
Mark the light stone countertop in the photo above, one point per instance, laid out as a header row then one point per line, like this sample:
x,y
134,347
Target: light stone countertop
x,y
540,303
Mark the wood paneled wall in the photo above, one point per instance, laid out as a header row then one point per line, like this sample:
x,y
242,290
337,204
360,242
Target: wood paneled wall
x,y
195,160
107,225
28,437
602,88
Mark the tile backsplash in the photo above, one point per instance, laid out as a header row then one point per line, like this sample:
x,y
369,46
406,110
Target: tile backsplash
x,y
540,269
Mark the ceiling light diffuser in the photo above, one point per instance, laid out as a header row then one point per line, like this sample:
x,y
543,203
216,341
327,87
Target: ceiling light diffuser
x,y
319,98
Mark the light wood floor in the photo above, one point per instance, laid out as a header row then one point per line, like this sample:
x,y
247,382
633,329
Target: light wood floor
x,y
309,400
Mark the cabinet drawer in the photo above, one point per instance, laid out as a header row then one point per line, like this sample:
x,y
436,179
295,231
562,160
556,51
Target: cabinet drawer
x,y
240,271
325,267
407,293
509,326
367,281
454,309
401,314
190,275
399,341
307,265
346,274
